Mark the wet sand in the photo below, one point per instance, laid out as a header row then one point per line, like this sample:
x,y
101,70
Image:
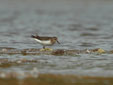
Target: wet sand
x,y
52,79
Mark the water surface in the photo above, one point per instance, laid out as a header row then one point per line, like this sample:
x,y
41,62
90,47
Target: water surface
x,y
78,24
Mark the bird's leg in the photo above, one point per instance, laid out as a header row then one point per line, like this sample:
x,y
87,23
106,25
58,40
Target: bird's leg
x,y
46,49
43,47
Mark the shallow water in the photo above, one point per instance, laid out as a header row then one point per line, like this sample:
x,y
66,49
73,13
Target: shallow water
x,y
78,24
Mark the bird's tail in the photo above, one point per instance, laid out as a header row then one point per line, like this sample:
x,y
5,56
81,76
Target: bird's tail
x,y
34,36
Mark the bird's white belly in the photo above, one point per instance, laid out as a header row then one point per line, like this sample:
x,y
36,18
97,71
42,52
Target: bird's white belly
x,y
46,42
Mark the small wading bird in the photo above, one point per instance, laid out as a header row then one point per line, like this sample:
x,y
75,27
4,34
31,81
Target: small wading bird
x,y
45,41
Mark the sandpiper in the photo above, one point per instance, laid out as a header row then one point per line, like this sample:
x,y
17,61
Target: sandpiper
x,y
45,41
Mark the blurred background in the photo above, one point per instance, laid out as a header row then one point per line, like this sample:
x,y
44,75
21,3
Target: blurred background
x,y
77,23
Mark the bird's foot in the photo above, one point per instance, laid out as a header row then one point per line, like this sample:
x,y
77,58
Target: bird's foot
x,y
46,49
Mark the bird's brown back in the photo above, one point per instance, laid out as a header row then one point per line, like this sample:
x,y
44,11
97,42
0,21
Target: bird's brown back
x,y
41,38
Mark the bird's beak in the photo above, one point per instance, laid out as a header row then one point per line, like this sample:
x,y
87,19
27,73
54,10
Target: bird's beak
x,y
58,42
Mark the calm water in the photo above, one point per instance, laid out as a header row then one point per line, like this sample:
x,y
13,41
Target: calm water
x,y
79,24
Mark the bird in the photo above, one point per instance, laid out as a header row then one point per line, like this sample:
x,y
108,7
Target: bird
x,y
45,40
